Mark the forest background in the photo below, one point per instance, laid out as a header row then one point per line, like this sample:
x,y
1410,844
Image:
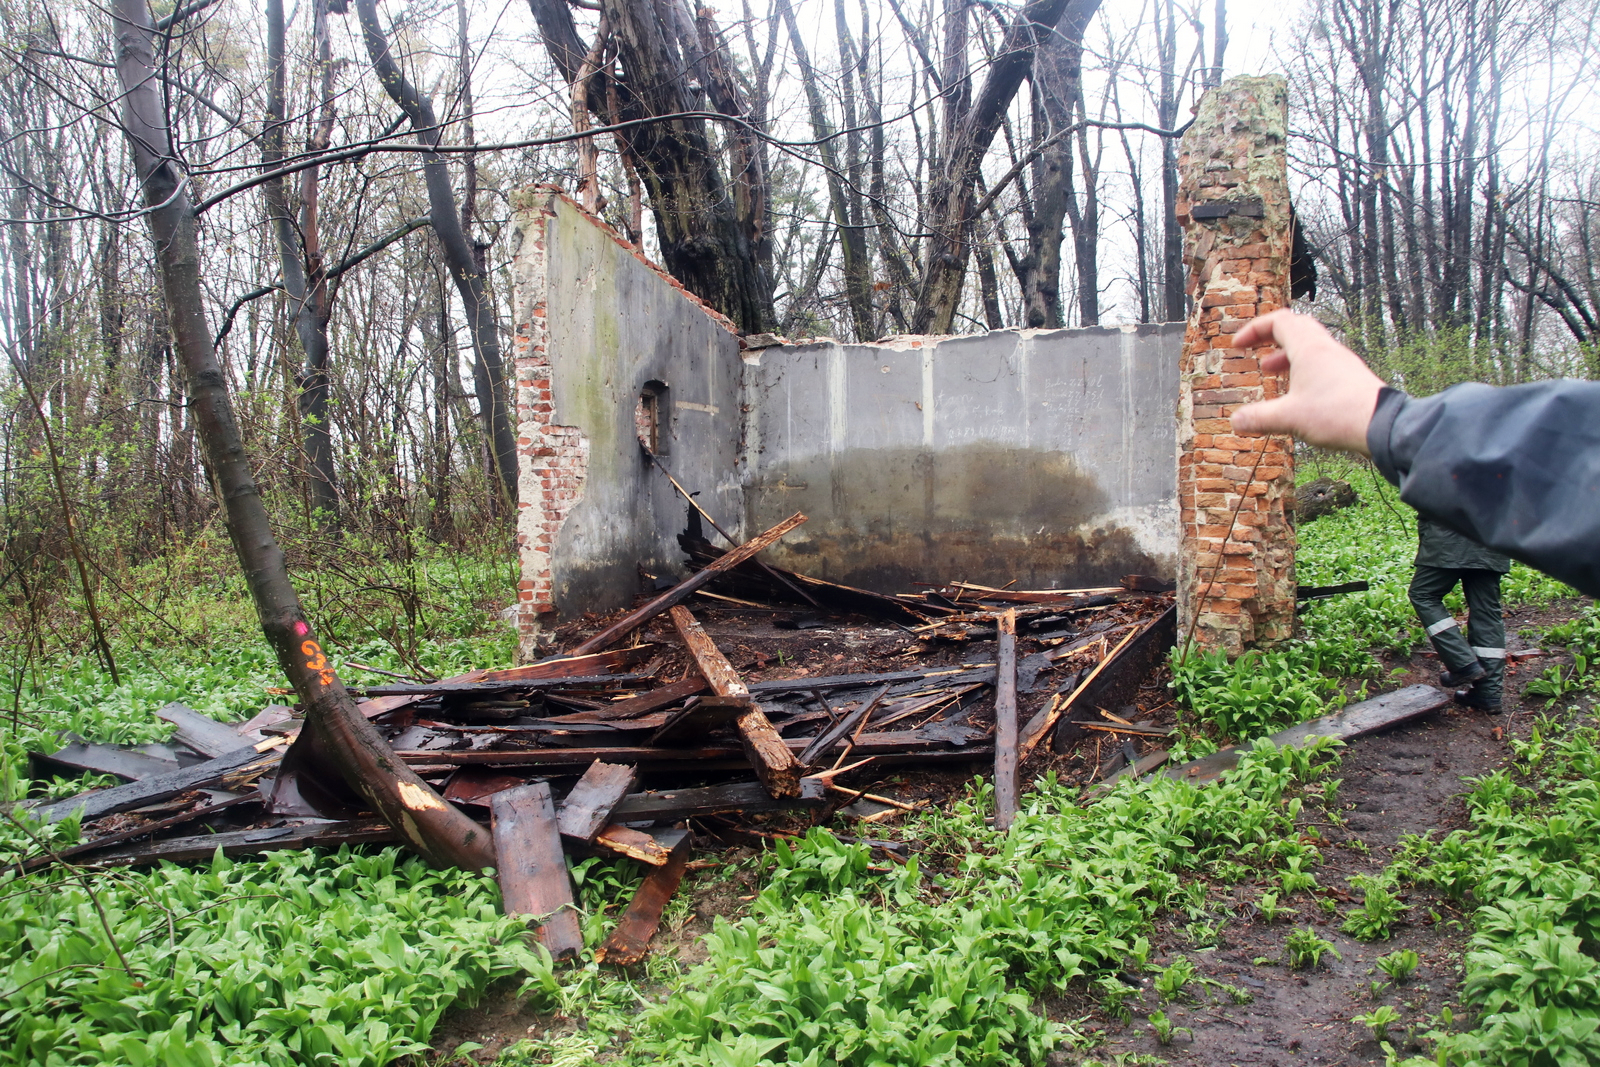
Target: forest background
x,y
851,168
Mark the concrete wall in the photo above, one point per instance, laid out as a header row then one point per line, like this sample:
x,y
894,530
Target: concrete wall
x,y
1047,457
594,324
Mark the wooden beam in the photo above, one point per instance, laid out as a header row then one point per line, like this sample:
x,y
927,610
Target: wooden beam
x,y
654,700
774,764
569,666
638,617
1005,723
78,757
244,843
200,732
587,809
532,868
630,939
670,805
103,802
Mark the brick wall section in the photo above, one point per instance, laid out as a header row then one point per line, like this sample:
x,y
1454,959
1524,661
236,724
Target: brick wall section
x,y
553,459
1236,590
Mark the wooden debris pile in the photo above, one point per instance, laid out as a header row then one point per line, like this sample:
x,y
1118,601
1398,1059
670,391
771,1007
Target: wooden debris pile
x,y
735,697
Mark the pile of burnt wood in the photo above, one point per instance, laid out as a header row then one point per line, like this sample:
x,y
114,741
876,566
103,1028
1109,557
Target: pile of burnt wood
x,y
648,730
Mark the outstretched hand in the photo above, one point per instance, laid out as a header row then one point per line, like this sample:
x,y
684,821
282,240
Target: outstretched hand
x,y
1331,395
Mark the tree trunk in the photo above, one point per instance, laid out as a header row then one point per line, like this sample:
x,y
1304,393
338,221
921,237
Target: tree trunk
x,y
1174,277
488,371
438,831
951,195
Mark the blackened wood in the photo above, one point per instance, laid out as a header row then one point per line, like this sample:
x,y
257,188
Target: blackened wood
x,y
654,700
628,942
78,757
842,598
269,717
1115,682
819,749
105,841
1357,720
593,681
751,797
775,765
1319,592
944,675
531,867
635,844
1114,728
246,842
587,808
475,785
699,717
103,802
200,732
638,617
569,666
1005,724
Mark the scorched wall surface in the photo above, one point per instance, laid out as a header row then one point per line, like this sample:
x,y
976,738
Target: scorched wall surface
x,y
1044,457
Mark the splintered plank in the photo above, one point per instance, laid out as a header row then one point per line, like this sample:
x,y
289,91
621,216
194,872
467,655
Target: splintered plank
x,y
531,867
654,700
474,688
638,617
1005,722
700,717
98,804
1051,713
244,843
635,844
944,675
1357,720
628,942
775,765
200,732
587,809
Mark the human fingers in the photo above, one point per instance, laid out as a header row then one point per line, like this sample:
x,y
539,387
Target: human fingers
x,y
1274,363
1264,329
1268,416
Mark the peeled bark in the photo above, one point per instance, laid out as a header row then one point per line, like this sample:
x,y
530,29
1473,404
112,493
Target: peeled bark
x,y
435,829
488,369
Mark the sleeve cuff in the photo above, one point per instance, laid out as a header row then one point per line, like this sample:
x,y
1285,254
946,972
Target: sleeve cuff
x,y
1390,403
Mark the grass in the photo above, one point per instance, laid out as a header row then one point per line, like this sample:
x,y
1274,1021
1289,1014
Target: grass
x,y
351,957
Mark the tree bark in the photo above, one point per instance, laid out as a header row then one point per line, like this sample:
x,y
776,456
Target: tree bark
x,y
488,371
441,833
951,195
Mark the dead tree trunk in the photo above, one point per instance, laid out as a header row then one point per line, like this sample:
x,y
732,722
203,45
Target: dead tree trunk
x,y
438,831
488,372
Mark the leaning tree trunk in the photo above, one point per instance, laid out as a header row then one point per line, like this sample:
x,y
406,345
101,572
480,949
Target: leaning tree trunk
x,y
437,830
951,199
488,369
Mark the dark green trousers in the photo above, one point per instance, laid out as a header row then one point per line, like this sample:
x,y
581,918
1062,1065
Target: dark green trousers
x,y
1485,640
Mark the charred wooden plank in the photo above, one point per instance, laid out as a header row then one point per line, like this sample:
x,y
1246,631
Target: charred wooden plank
x,y
638,617
586,681
700,716
775,765
72,760
133,833
587,809
1005,724
98,804
531,867
848,724
943,675
629,941
1357,720
1321,592
247,842
674,804
475,785
1115,682
654,700
635,844
200,732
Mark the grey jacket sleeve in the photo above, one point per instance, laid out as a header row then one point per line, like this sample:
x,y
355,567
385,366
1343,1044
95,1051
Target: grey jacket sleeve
x,y
1515,468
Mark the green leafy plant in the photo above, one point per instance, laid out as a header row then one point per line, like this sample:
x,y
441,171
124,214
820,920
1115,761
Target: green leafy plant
x,y
1305,949
1293,878
1379,911
1164,1030
1174,978
1270,909
1203,934
1400,965
1378,1020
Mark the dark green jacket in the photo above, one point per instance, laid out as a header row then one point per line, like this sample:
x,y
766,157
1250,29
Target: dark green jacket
x,y
1440,546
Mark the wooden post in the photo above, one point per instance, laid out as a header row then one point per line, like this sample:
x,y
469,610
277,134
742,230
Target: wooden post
x,y
775,765
1005,723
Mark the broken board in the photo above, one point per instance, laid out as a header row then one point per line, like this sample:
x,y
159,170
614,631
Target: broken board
x,y
627,943
105,802
201,732
531,867
1357,720
587,808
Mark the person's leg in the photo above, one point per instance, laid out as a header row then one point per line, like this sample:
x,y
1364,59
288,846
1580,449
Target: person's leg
x,y
1428,588
1486,633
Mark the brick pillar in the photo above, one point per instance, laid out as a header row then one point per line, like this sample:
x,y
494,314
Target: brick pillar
x,y
1233,204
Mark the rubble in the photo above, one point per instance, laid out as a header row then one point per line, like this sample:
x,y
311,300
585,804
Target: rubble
x,y
724,717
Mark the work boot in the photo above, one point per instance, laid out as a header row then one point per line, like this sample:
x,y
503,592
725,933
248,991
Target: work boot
x,y
1471,674
1479,699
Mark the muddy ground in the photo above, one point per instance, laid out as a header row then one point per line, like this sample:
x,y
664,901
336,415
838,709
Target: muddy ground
x,y
1409,780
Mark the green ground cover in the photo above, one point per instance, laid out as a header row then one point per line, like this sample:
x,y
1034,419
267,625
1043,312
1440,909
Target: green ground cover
x,y
349,958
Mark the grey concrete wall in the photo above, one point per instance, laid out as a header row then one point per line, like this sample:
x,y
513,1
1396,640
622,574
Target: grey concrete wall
x,y
1047,457
613,324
